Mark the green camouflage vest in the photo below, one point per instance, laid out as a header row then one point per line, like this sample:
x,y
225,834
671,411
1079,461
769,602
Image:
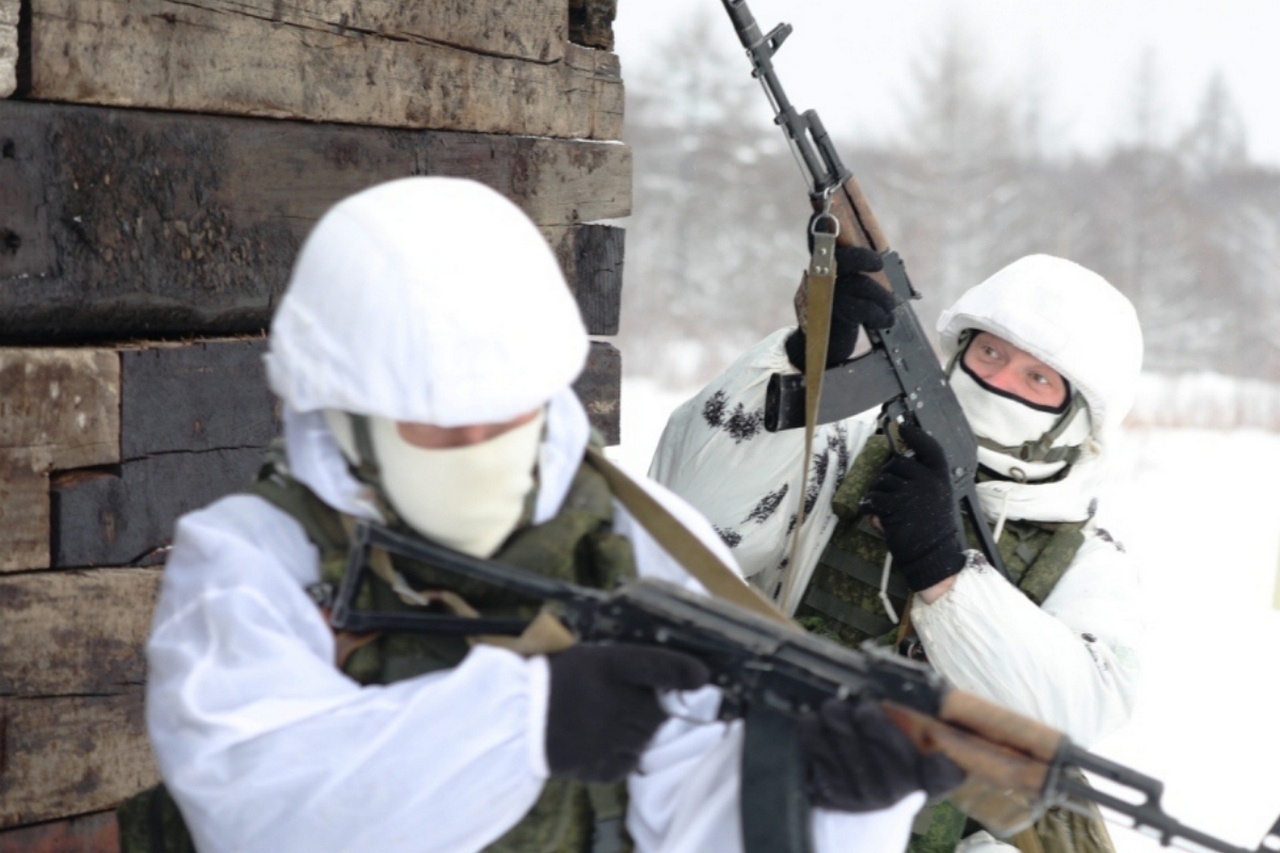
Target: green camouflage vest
x,y
843,602
843,599
577,545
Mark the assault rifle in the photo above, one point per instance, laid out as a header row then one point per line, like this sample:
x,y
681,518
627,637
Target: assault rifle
x,y
900,372
771,671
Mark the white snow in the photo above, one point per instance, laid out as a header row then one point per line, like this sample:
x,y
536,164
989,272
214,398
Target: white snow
x,y
1200,510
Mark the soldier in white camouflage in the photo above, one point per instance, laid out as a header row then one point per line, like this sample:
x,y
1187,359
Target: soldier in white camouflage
x,y
423,355
1044,358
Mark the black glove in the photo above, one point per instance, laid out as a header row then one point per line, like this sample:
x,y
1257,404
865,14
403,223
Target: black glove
x,y
859,761
918,512
603,706
857,301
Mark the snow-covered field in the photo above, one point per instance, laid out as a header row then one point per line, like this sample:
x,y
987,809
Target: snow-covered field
x,y
1200,510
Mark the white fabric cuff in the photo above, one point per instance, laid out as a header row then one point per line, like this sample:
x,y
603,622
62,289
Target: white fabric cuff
x,y
867,832
539,695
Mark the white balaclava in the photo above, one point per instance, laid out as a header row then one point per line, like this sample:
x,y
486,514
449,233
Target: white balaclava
x,y
434,301
1017,438
1074,321
489,483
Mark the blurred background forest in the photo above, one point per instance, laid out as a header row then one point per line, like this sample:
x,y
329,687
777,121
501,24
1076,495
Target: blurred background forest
x,y
1179,218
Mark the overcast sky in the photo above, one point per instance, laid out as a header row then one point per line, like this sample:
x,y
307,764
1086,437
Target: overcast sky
x,y
1081,55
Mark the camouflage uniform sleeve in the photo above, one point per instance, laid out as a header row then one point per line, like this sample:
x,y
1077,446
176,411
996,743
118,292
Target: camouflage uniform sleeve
x,y
716,454
1073,663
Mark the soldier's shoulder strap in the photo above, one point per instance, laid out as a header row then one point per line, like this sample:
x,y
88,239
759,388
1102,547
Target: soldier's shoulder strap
x,y
322,523
681,543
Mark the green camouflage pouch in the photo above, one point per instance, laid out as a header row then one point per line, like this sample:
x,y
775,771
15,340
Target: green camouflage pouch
x,y
149,822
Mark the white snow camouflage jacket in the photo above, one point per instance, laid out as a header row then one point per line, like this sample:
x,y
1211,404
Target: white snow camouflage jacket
x,y
1073,663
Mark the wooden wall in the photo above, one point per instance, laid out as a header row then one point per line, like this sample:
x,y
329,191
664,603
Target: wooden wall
x,y
160,162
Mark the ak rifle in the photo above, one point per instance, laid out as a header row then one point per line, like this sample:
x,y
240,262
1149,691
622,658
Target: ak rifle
x,y
770,671
900,372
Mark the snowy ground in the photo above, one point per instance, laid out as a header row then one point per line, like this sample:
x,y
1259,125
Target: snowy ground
x,y
1200,510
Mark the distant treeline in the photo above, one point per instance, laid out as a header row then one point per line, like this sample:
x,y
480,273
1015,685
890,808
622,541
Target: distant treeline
x,y
1185,224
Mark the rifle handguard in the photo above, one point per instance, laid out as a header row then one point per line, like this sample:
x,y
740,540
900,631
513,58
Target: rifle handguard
x,y
1012,761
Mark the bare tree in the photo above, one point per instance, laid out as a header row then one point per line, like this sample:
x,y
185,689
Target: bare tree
x,y
716,236
950,195
1142,125
1217,140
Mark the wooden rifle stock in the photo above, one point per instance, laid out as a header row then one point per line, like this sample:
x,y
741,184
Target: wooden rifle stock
x,y
1016,767
1010,761
858,223
858,227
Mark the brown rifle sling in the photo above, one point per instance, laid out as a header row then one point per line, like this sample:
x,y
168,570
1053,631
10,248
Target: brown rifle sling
x,y
819,284
683,546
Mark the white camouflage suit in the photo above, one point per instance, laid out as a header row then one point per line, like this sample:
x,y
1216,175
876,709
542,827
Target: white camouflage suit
x,y
463,317
1072,663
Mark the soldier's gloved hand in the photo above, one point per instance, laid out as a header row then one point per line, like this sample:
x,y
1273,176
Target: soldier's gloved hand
x,y
603,706
917,509
857,301
860,761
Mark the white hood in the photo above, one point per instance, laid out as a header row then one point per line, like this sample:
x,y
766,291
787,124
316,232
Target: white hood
x,y
1068,317
433,300
1076,322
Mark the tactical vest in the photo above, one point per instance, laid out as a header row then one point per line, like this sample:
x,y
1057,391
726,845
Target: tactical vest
x,y
843,597
843,602
578,545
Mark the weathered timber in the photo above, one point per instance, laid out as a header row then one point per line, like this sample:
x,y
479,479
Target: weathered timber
x,y
591,22
125,517
59,409
521,29
8,47
24,509
73,647
553,181
75,633
397,66
71,755
64,401
195,419
205,395
138,224
94,833
600,389
72,410
192,455
591,256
